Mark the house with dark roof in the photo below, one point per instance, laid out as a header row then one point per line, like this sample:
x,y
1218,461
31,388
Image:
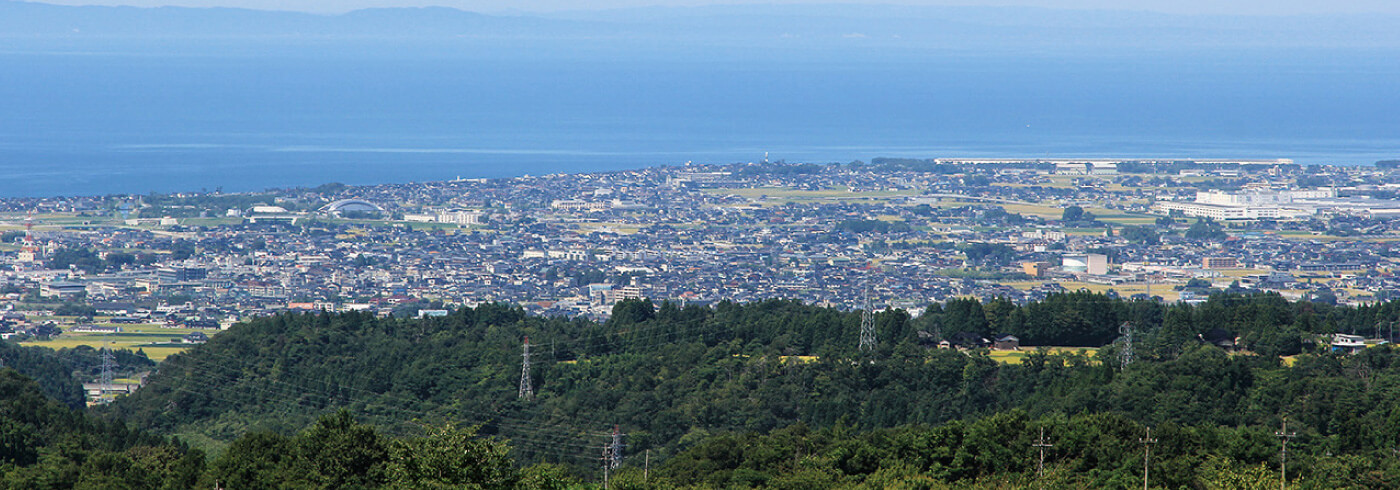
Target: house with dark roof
x,y
1007,342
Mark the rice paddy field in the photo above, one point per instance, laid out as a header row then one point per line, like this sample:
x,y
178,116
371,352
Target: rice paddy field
x,y
156,341
1018,356
1125,290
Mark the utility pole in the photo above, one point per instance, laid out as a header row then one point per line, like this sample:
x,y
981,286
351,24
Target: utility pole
x,y
616,448
646,467
1147,443
1284,435
527,390
1041,445
867,324
607,463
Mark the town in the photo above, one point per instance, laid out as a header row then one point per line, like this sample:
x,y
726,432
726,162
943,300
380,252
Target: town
x,y
890,233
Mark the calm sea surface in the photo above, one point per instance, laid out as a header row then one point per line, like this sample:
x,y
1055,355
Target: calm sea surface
x,y
82,123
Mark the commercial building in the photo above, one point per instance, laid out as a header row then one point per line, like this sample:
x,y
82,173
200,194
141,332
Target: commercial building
x,y
1279,205
61,289
181,274
1219,263
1036,269
1092,264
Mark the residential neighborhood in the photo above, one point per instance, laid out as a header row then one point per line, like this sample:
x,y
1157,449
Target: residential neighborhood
x,y
909,232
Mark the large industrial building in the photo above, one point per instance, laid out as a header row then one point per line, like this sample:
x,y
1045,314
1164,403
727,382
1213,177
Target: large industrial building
x,y
1254,204
1092,264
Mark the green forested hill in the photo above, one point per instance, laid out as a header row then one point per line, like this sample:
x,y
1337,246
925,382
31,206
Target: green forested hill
x,y
1100,450
60,373
44,444
55,376
677,379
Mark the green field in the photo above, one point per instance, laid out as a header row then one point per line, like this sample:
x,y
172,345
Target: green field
x,y
1047,212
1125,290
1017,356
154,340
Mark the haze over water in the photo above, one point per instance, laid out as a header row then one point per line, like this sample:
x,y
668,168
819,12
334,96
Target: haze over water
x,y
132,119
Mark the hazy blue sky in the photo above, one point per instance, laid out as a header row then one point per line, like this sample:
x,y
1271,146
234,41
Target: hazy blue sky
x,y
1267,7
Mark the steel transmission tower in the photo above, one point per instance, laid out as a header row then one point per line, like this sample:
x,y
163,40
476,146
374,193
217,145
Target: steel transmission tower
x,y
612,454
867,325
109,361
1125,353
615,449
527,391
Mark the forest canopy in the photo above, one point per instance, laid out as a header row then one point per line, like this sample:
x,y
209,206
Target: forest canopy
x,y
776,393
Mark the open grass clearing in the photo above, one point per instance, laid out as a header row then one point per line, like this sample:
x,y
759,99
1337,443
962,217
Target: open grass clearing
x,y
1043,211
1124,290
1019,356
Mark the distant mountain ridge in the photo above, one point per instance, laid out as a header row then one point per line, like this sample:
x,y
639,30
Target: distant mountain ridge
x,y
27,19
775,25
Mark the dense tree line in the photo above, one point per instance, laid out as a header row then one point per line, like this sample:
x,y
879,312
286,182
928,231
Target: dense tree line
x,y
987,254
44,445
340,452
675,377
60,373
1142,235
1265,324
53,372
1101,450
720,394
1206,229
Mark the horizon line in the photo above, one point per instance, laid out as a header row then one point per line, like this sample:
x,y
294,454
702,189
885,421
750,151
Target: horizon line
x,y
283,7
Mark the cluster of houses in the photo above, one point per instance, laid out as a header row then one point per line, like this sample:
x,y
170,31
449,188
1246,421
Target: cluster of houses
x,y
576,244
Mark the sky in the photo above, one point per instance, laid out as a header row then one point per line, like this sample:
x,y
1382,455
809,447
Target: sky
x,y
1245,7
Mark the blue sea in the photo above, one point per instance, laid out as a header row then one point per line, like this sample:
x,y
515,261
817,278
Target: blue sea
x,y
126,120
